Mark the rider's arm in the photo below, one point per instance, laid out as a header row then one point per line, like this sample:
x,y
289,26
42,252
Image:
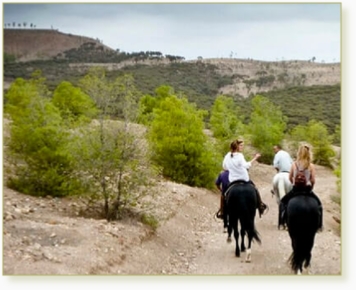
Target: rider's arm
x,y
312,175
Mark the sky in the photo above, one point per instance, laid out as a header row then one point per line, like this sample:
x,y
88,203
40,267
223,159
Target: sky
x,y
260,31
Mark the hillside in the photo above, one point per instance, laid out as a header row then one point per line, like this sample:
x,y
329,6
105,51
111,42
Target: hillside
x,y
247,76
253,76
42,44
311,87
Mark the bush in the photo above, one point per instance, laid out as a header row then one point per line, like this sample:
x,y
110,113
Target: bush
x,y
179,145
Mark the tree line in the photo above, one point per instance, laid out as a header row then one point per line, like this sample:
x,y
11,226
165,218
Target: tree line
x,y
19,24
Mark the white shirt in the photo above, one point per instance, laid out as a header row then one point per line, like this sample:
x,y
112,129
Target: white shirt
x,y
282,161
237,166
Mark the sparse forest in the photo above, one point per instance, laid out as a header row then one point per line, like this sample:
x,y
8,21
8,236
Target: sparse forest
x,y
201,84
80,139
77,121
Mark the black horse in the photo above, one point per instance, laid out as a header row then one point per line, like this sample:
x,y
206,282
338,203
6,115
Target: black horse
x,y
241,207
304,217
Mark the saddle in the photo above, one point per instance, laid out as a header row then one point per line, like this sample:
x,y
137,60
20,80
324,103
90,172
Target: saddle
x,y
220,214
232,184
305,190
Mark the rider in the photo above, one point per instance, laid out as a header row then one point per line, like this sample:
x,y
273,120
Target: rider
x,y
235,162
222,183
282,162
303,164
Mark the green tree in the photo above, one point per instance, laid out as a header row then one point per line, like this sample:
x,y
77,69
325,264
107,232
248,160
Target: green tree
x,y
337,135
225,118
321,141
148,103
179,145
226,122
73,103
108,150
316,134
266,128
37,142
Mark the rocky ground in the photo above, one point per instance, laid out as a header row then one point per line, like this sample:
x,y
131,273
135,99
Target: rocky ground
x,y
47,236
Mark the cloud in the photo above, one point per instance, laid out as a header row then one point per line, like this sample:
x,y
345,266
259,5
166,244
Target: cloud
x,y
259,31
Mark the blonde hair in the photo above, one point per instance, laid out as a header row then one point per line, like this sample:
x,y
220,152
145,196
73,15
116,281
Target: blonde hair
x,y
304,157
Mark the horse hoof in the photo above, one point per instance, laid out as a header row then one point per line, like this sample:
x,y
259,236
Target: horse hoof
x,y
248,256
229,240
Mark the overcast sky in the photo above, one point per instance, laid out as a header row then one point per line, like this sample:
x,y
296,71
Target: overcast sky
x,y
259,31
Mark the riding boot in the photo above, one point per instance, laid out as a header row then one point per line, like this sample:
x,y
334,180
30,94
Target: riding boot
x,y
222,204
261,206
282,215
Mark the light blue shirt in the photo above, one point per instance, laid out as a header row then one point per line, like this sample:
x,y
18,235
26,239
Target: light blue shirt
x,y
282,161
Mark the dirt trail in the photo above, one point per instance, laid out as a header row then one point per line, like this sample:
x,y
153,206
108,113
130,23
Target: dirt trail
x,y
47,237
197,244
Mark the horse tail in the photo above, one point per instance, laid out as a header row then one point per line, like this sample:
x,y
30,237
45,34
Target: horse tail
x,y
303,217
281,187
256,236
302,253
248,225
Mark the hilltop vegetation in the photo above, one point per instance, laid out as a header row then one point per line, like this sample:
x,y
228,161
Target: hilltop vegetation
x,y
201,83
301,104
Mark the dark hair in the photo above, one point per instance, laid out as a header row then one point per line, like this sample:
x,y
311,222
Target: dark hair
x,y
234,145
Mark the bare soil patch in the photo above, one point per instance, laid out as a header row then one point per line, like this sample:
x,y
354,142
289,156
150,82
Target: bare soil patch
x,y
47,236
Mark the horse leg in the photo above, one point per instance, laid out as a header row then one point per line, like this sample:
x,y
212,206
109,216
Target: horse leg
x,y
229,232
237,250
243,233
233,224
248,251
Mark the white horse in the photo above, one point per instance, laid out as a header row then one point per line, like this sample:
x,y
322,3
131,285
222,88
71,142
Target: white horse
x,y
281,185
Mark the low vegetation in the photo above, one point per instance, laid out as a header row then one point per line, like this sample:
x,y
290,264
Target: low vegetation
x,y
57,148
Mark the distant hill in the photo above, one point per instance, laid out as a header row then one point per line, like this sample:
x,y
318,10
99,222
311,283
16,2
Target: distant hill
x,y
42,44
289,83
247,76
